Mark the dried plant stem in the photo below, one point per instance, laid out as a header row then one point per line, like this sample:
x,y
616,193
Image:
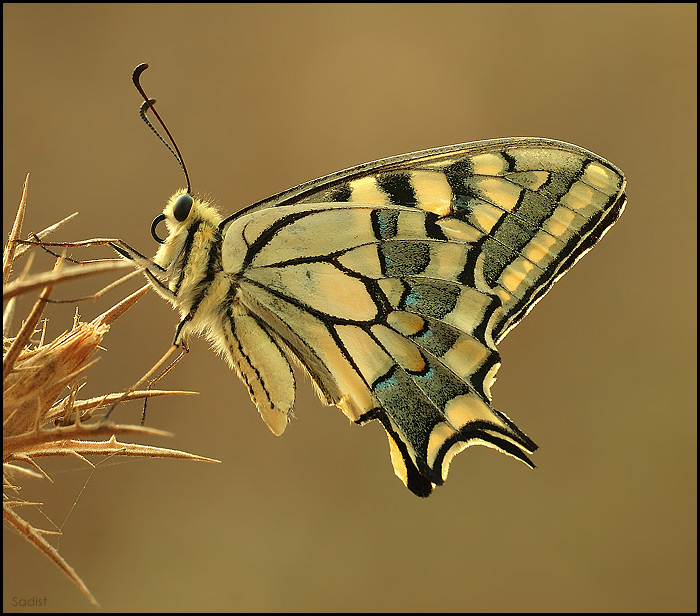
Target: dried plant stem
x,y
42,416
8,256
33,535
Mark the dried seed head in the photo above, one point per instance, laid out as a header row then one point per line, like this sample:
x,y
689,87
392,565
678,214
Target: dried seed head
x,y
41,375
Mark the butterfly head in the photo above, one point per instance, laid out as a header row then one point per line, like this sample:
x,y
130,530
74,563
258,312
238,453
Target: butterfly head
x,y
181,212
191,225
176,211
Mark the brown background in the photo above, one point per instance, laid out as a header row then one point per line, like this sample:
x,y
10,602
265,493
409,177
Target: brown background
x,y
601,374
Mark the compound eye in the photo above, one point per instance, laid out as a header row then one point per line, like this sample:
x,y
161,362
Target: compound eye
x,y
182,207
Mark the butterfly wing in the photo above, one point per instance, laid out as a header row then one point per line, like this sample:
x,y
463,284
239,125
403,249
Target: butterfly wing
x,y
392,282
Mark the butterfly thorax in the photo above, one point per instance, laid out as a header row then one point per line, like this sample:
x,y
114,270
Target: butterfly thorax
x,y
191,257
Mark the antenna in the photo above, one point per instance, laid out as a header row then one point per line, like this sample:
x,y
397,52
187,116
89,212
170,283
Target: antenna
x,y
149,103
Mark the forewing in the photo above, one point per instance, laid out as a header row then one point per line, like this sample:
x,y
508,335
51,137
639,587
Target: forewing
x,y
536,205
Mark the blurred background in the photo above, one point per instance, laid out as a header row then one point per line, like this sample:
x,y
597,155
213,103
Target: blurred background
x,y
602,374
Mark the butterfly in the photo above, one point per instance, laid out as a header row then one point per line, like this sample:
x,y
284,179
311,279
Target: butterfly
x,y
390,284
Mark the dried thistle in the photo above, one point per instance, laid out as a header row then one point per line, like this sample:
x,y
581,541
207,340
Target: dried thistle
x,y
42,416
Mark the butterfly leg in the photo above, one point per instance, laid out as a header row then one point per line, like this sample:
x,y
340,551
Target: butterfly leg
x,y
151,270
178,342
185,349
144,378
35,240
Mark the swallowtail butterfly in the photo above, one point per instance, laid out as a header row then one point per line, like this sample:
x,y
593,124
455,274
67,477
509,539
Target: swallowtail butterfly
x,y
390,284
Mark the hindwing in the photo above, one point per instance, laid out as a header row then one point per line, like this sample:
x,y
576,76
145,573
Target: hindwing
x,y
392,282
